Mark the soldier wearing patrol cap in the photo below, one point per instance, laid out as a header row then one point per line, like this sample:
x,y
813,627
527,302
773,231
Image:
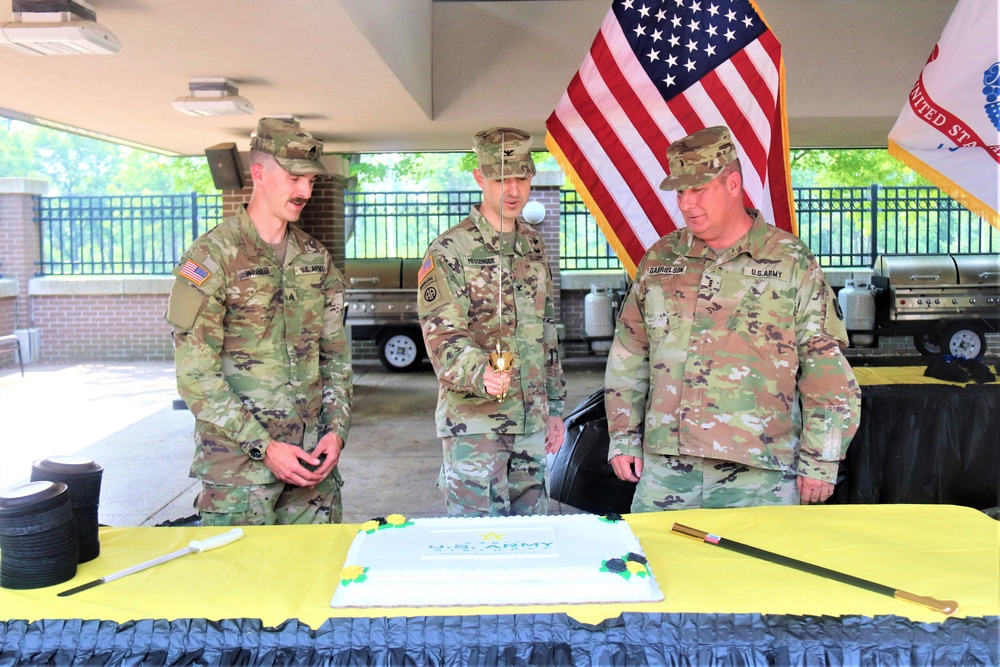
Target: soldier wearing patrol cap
x,y
726,385
486,309
262,357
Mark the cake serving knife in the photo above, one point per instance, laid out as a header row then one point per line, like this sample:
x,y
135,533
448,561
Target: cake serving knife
x,y
195,546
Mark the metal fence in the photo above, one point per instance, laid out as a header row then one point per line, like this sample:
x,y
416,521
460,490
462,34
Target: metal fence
x,y
400,224
844,227
851,227
121,235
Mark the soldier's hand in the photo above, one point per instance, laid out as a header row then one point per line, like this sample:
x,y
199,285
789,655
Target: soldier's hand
x,y
627,468
555,435
812,490
328,453
496,383
285,461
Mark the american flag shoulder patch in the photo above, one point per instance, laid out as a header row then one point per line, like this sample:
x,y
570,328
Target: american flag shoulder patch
x,y
194,272
425,268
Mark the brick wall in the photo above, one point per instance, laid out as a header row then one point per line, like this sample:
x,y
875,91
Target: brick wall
x,y
128,327
7,314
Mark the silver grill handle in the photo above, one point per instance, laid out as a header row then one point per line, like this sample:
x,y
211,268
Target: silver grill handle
x,y
929,277
986,274
374,280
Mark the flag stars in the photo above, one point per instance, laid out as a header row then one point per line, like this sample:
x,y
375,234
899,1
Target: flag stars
x,y
627,4
674,41
676,21
712,30
713,10
690,65
661,16
669,81
694,26
731,15
730,35
747,21
653,55
710,50
695,7
657,35
671,60
639,31
692,45
644,12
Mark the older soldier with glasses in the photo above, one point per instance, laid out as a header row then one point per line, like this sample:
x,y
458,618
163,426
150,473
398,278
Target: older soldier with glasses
x,y
261,352
726,385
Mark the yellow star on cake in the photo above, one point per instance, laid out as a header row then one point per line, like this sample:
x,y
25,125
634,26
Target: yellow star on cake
x,y
492,537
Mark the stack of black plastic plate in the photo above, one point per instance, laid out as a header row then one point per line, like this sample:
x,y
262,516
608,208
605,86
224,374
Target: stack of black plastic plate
x,y
38,545
83,477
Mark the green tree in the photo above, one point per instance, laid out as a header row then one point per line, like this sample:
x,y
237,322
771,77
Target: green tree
x,y
78,165
849,168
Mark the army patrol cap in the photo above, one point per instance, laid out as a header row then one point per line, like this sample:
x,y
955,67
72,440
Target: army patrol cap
x,y
698,158
515,147
292,147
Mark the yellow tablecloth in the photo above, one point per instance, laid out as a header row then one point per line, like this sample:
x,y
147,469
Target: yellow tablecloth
x,y
284,572
871,375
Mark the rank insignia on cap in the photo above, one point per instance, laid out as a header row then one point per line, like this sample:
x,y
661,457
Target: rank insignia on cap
x,y
194,272
425,268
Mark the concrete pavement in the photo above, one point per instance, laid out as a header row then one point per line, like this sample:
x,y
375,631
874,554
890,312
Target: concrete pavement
x,y
121,416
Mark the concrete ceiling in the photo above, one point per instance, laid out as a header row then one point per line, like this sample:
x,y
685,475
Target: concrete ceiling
x,y
406,75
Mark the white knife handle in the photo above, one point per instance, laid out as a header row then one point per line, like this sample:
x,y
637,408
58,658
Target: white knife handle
x,y
222,540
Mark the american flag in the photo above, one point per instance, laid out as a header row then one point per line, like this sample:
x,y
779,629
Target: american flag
x,y
194,272
657,71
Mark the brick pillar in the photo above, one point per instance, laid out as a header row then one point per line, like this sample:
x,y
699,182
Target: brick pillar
x,y
323,216
545,189
20,248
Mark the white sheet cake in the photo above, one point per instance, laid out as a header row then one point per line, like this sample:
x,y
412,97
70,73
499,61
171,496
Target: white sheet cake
x,y
575,559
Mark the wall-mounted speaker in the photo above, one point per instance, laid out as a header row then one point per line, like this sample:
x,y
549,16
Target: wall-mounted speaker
x,y
226,166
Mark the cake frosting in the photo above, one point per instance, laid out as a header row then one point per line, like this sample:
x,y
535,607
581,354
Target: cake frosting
x,y
520,560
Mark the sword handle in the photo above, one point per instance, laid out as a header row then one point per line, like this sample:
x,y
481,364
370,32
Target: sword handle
x,y
690,532
944,606
199,546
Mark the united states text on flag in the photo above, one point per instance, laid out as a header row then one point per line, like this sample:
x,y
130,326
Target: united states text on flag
x,y
949,130
657,71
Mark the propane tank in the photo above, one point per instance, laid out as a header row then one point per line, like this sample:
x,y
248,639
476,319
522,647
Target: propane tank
x,y
598,321
857,302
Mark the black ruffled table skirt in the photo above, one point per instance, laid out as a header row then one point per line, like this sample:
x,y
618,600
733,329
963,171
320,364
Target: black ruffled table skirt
x,y
523,639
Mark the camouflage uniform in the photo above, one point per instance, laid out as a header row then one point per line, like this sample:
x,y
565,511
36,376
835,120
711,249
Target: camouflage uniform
x,y
261,354
729,346
711,357
494,451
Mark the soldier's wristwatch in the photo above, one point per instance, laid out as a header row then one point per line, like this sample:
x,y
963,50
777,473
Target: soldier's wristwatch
x,y
257,453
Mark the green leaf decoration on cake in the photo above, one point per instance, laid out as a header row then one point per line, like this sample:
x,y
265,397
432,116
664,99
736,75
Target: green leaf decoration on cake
x,y
628,565
380,522
353,573
611,517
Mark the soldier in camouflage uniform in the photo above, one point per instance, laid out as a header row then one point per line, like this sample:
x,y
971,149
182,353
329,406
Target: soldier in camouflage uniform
x,y
262,356
726,385
495,427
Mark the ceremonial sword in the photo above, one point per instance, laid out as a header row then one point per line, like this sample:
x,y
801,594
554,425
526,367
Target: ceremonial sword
x,y
944,606
195,546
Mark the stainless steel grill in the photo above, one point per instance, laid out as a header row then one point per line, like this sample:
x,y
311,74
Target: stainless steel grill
x,y
382,306
930,287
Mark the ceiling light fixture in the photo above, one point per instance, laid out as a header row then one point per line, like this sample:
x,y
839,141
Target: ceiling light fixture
x,y
213,97
57,28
